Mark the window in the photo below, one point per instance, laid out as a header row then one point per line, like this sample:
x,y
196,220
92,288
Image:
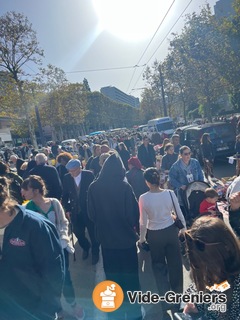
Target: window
x,y
222,131
165,126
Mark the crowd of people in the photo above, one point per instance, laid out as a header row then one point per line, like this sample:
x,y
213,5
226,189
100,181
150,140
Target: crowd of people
x,y
111,188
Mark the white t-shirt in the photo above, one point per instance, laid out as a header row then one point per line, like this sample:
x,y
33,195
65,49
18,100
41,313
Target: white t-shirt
x,y
234,187
155,211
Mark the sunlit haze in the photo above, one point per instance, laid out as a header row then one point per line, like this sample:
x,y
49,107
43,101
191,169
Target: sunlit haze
x,y
130,20
104,40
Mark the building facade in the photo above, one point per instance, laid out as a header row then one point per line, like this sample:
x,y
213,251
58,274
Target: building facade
x,y
119,96
5,133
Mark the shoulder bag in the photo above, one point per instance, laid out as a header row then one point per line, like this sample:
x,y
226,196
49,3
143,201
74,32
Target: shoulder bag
x,y
178,223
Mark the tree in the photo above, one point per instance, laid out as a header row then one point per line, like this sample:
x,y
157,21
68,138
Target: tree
x,y
198,61
230,28
49,84
51,78
155,79
178,86
86,85
18,46
9,96
149,107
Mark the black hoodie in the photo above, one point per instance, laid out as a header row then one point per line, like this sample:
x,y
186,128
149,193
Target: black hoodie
x,y
113,207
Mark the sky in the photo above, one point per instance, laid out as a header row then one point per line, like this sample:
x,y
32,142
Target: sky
x,y
86,37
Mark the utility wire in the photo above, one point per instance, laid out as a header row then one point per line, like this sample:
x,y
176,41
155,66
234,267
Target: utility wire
x,y
163,40
30,68
107,69
150,42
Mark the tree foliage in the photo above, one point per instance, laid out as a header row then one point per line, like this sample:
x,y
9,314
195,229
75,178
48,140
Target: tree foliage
x,y
150,106
202,65
86,86
18,46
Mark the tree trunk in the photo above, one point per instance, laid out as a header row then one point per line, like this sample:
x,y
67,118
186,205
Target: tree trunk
x,y
162,91
60,133
54,135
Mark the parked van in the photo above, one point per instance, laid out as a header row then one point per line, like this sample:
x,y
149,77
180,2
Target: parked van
x,y
222,135
161,125
72,142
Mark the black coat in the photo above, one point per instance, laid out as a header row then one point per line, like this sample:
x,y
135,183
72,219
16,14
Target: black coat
x,y
19,163
147,155
113,207
61,169
95,166
70,199
51,178
208,151
136,180
125,155
168,160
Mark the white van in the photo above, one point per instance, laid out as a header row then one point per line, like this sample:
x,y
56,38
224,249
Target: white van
x,y
72,142
162,125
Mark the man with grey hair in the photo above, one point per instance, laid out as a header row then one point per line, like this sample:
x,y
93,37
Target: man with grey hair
x,y
50,176
17,163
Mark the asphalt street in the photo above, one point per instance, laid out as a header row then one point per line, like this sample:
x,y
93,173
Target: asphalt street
x,y
85,276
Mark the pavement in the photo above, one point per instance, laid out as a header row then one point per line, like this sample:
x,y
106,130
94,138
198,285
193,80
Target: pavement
x,y
86,277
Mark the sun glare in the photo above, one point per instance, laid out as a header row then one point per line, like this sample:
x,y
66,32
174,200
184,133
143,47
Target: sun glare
x,y
131,20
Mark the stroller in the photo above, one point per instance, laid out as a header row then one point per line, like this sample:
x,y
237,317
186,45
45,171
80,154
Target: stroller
x,y
192,198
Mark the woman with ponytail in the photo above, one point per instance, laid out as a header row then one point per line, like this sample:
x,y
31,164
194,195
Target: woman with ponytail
x,y
158,229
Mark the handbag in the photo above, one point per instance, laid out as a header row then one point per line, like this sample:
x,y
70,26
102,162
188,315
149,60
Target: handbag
x,y
144,246
178,223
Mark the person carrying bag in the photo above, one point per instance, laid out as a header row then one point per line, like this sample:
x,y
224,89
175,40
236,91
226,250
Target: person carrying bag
x,y
157,227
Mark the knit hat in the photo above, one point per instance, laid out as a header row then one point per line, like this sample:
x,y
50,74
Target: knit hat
x,y
73,164
134,161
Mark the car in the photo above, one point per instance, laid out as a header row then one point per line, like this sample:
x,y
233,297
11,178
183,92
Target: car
x,y
96,133
222,135
198,121
71,142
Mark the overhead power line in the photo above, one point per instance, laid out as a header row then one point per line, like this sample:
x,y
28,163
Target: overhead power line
x,y
170,30
163,40
106,69
150,42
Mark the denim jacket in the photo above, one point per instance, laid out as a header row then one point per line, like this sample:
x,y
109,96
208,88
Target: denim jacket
x,y
177,176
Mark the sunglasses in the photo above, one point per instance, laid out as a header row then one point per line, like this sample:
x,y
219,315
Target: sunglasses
x,y
186,153
199,244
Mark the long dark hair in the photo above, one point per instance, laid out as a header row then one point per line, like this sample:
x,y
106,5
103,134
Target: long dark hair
x,y
214,252
205,139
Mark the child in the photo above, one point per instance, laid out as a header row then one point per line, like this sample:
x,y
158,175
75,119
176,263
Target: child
x,y
208,205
